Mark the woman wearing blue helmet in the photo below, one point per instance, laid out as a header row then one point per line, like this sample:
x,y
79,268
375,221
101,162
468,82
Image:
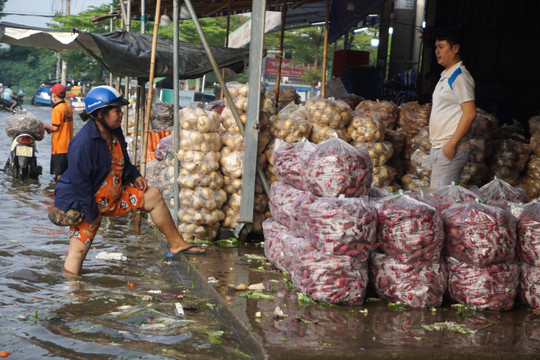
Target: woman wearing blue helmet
x,y
101,181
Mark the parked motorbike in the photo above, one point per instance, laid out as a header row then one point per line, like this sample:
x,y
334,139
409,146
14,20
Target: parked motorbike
x,y
22,162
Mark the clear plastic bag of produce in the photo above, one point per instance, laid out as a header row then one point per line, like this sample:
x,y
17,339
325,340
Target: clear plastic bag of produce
x,y
385,111
329,278
484,125
162,116
279,244
529,285
320,133
287,159
24,121
198,232
336,226
479,234
418,285
383,175
528,231
474,174
534,125
199,162
413,182
444,197
413,116
199,198
232,163
162,149
282,199
229,123
421,140
336,168
364,128
421,164
291,124
197,141
195,118
328,112
396,138
493,287
481,149
379,152
213,180
201,216
499,193
534,145
409,230
154,169
509,158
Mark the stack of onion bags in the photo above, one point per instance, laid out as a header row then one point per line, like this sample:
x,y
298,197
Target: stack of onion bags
x,y
412,118
528,249
476,171
480,242
279,240
329,118
408,267
531,179
201,194
232,158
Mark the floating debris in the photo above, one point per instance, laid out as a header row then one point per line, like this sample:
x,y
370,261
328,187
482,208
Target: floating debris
x,y
179,309
450,326
258,286
256,295
105,255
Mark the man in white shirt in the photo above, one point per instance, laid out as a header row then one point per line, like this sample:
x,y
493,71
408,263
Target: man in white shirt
x,y
452,113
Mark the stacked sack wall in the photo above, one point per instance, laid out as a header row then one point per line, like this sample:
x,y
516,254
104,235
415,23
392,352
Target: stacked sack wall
x,y
531,178
232,158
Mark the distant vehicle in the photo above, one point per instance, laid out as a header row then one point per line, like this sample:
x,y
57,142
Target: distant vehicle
x,y
42,96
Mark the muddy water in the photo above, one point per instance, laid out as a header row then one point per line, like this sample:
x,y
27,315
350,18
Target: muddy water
x,y
108,312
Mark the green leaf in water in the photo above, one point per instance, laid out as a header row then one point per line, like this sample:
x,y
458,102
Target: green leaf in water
x,y
215,337
255,257
450,326
255,295
398,306
305,300
283,339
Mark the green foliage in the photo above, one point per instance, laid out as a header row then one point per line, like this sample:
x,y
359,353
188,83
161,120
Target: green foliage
x,y
25,66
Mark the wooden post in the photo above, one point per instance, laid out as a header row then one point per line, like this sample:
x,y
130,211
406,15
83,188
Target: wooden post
x,y
150,89
323,85
281,37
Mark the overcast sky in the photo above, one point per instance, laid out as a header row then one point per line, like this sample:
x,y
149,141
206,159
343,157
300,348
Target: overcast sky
x,y
33,10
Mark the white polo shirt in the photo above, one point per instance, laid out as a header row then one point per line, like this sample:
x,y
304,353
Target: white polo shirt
x,y
455,87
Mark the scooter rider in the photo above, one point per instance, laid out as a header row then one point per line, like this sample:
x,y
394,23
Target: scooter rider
x,y
10,97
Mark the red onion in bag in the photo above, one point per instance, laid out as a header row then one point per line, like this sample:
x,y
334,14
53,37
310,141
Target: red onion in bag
x,y
489,288
336,168
329,278
279,244
528,231
444,197
287,161
336,226
282,199
422,284
499,193
529,285
409,230
479,234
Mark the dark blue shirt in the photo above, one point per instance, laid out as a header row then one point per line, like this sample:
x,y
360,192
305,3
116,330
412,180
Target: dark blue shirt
x,y
89,162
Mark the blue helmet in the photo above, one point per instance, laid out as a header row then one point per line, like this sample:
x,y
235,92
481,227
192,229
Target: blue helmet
x,y
102,96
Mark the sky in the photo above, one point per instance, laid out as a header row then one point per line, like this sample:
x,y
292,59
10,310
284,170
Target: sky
x,y
32,9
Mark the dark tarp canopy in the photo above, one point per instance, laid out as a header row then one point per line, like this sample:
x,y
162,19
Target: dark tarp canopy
x,y
127,54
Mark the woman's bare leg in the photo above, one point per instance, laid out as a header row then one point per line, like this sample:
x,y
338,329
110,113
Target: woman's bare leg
x,y
76,255
158,210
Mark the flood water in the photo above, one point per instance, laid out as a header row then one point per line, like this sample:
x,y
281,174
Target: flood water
x,y
108,312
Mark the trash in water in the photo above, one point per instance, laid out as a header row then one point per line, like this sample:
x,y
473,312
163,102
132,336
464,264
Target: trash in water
x,y
104,255
449,325
259,286
212,280
179,309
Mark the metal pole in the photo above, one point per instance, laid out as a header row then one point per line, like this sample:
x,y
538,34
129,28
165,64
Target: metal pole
x,y
176,93
281,37
226,39
127,81
325,51
150,89
111,30
252,132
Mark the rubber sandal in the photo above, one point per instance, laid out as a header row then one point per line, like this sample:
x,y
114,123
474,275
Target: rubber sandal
x,y
187,251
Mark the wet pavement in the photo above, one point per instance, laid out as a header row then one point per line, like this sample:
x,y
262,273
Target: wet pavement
x,y
375,330
126,309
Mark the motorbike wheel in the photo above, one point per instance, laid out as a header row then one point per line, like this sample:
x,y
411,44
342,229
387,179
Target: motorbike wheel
x,y
23,173
15,170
